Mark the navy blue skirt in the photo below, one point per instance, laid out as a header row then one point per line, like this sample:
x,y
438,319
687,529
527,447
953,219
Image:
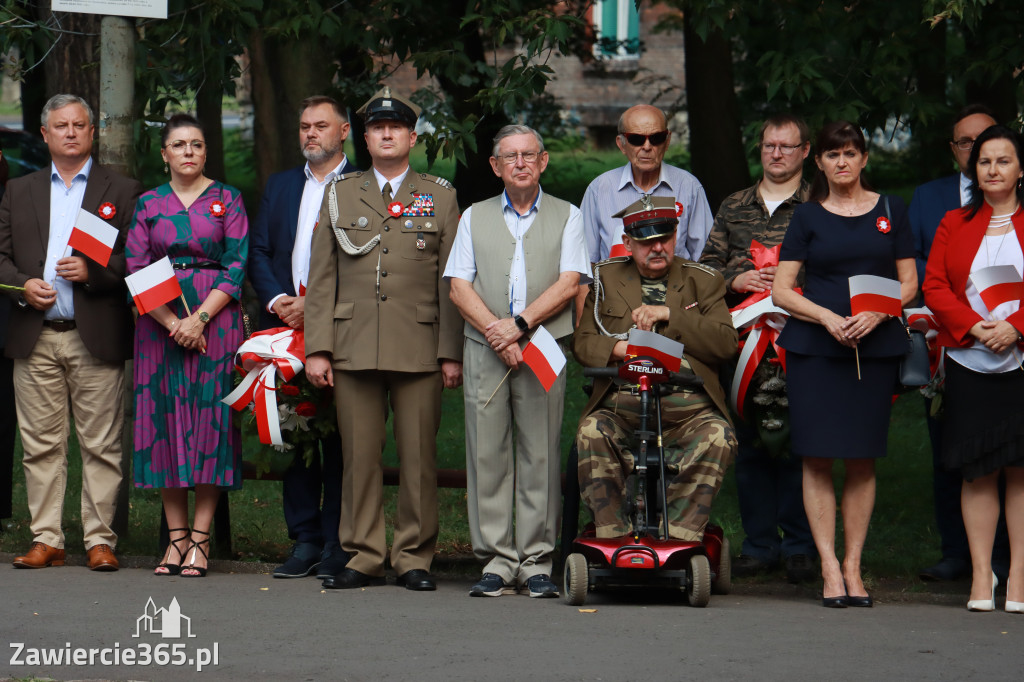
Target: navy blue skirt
x,y
833,414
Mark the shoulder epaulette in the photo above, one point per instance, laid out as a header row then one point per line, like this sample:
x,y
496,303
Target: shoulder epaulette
x,y
700,266
437,181
348,176
616,259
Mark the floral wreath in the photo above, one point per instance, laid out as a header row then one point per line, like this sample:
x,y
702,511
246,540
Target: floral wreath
x,y
217,209
107,210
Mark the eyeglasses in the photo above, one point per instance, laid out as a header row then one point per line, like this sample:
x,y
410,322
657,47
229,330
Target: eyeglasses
x,y
784,149
178,146
964,144
511,157
638,140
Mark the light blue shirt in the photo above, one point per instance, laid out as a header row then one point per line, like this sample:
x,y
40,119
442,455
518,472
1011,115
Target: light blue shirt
x,y
573,257
65,202
614,190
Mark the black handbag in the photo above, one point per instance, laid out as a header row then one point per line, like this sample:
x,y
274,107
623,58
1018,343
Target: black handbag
x,y
915,371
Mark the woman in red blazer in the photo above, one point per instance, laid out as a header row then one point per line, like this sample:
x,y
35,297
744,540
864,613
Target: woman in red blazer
x,y
983,433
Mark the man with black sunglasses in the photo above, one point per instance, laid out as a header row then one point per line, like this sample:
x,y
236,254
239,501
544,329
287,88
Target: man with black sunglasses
x,y
644,138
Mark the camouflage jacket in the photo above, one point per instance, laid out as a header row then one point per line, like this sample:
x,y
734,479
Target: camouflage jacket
x,y
741,218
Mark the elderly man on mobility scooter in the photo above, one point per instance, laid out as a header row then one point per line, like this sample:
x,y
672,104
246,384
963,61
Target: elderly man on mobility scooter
x,y
684,301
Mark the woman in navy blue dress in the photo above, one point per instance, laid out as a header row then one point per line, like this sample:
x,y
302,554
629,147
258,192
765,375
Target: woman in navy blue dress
x,y
844,229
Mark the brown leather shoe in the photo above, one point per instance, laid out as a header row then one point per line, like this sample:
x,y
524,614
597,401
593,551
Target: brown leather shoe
x,y
101,558
40,555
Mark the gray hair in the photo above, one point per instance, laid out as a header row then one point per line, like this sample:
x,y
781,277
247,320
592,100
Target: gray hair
x,y
509,131
61,101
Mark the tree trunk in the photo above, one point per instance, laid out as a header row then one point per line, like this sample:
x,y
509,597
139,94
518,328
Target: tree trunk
x,y
716,140
932,139
209,107
117,90
283,74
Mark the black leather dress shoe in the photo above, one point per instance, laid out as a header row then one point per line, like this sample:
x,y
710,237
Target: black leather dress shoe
x,y
350,578
864,601
947,569
418,580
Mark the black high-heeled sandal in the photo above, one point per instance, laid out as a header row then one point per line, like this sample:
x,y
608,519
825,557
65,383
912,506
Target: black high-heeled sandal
x,y
200,572
169,568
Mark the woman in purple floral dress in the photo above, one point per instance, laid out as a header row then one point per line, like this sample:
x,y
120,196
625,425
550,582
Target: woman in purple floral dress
x,y
184,436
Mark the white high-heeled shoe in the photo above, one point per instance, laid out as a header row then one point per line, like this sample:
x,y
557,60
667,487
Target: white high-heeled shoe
x,y
985,604
1014,606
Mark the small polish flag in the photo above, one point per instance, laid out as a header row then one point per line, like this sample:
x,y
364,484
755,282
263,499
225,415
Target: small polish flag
x,y
875,294
998,284
93,237
921,319
662,348
153,285
544,357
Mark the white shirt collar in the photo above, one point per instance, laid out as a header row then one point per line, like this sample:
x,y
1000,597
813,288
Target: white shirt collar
x,y
82,173
627,178
330,176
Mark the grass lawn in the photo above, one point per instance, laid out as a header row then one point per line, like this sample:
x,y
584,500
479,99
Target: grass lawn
x,y
901,540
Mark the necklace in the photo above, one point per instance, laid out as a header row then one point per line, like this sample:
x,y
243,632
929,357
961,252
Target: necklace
x,y
995,223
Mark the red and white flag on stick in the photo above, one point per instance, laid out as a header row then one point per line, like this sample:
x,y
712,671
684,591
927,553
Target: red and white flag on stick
x,y
998,284
654,345
875,294
544,357
153,285
93,237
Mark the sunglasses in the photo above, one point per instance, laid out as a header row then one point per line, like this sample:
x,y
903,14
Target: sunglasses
x,y
638,140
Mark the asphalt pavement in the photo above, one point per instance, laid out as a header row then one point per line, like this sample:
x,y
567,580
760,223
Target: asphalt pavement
x,y
249,626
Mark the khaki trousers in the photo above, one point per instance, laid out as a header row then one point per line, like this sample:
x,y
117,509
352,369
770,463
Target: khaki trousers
x,y
59,368
503,484
362,400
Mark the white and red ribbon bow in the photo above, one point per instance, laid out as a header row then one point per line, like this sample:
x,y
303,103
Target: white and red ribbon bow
x,y
765,321
262,358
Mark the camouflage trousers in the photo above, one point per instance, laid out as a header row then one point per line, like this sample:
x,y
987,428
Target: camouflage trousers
x,y
699,446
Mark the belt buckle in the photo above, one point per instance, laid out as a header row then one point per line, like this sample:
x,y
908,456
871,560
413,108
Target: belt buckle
x,y
179,266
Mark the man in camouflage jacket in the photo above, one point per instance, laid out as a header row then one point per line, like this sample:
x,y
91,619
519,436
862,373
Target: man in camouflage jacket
x,y
769,487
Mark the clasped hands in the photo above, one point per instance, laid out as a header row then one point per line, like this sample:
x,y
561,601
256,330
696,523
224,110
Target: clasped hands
x,y
997,335
503,335
291,310
850,330
188,332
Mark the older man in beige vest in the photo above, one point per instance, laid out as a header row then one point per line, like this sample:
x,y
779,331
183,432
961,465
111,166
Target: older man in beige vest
x,y
517,261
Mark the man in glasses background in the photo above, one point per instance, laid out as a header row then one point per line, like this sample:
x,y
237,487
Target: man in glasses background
x,y
769,484
517,261
644,138
930,203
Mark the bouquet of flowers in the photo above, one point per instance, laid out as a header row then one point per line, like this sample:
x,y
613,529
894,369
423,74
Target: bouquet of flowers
x,y
289,412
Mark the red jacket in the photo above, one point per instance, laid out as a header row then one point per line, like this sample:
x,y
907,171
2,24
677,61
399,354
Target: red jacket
x,y
949,264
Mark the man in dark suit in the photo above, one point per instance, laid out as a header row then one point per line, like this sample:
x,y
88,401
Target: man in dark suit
x,y
279,270
69,334
8,420
930,203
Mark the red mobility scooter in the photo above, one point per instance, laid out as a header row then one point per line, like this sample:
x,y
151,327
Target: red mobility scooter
x,y
647,556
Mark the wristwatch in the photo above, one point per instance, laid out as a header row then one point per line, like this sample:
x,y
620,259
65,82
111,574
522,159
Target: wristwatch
x,y
204,316
521,323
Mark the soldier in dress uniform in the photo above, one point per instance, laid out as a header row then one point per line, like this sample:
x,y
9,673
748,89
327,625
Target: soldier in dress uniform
x,y
383,332
655,290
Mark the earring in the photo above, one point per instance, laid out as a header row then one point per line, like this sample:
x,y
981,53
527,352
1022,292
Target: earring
x,y
166,169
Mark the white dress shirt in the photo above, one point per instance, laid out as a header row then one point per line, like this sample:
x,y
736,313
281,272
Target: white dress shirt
x,y
65,202
573,257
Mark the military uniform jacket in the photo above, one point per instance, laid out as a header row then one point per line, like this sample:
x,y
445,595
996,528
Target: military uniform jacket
x,y
402,320
699,319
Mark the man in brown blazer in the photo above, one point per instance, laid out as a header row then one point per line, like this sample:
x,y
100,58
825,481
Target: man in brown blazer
x,y
381,330
69,333
655,290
